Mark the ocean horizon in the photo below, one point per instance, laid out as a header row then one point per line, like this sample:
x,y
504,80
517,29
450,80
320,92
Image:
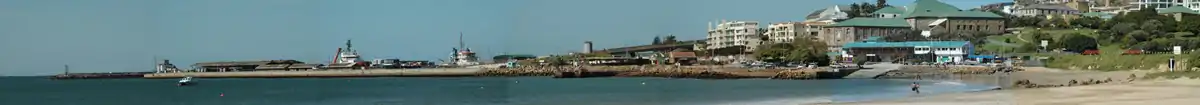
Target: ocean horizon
x,y
460,91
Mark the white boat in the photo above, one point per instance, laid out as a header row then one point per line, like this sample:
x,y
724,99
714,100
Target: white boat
x,y
186,81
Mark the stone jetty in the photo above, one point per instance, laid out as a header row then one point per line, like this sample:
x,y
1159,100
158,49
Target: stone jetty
x,y
808,74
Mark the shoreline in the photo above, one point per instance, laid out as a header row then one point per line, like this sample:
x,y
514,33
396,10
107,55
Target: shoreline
x,y
1150,92
696,72
1057,82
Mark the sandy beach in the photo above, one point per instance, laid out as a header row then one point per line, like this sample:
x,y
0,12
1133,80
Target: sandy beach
x,y
1140,92
1153,92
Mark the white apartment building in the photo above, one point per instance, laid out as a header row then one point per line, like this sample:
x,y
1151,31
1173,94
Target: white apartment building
x,y
734,33
1047,10
1031,2
785,32
1161,4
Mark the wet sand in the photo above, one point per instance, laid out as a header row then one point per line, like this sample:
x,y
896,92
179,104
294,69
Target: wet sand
x,y
1152,92
1119,92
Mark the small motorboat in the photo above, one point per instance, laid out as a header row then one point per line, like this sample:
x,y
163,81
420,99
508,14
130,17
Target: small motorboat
x,y
186,81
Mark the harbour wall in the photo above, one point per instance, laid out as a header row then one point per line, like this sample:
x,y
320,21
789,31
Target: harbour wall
x,y
698,72
425,72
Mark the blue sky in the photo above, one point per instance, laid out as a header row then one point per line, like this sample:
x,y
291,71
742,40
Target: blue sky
x,y
37,37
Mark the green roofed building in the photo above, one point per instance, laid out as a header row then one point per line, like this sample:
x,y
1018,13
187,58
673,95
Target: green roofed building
x,y
1177,9
861,28
1178,12
940,18
914,51
923,15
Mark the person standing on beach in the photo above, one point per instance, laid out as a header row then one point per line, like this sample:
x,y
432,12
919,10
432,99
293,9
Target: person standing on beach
x,y
916,87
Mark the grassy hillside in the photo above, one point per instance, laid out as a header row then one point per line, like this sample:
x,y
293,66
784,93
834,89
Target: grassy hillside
x,y
1110,58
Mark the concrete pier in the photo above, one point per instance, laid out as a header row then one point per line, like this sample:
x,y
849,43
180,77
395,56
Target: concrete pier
x,y
425,72
874,71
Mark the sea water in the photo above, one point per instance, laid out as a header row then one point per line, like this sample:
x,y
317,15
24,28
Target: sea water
x,y
459,91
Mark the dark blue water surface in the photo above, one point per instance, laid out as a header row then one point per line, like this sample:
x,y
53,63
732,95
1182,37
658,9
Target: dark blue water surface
x,y
456,91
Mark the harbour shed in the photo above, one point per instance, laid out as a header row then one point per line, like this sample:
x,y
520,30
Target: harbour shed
x,y
292,66
227,66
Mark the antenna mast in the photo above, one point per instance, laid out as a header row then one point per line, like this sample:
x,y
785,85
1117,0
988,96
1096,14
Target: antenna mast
x,y
460,41
347,44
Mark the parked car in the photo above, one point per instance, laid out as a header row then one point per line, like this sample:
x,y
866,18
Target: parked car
x,y
1091,52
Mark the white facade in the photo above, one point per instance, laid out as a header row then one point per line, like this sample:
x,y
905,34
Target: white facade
x,y
1009,10
831,14
784,32
1192,4
734,33
943,54
1161,4
1045,12
1044,1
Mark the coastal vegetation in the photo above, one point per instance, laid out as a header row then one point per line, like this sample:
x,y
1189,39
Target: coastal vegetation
x,y
865,9
803,50
1142,39
669,39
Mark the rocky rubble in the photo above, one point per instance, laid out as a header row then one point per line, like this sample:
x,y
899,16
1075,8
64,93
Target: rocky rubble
x,y
796,74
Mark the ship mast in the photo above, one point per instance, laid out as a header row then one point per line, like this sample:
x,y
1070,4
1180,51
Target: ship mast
x,y
461,44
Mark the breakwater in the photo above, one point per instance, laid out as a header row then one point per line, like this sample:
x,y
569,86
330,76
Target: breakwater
x,y
698,72
807,74
100,75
